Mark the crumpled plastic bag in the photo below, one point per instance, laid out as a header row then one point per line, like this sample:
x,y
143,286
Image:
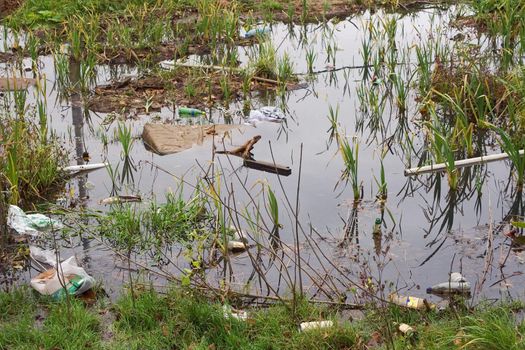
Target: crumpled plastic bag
x,y
30,224
75,279
43,256
266,114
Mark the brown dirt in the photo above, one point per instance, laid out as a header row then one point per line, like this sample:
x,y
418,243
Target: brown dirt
x,y
341,9
8,6
184,87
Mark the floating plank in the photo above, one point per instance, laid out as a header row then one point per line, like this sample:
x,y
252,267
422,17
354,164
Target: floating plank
x,y
9,84
267,166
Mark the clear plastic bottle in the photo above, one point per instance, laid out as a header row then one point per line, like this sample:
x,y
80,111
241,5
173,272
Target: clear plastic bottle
x,y
410,302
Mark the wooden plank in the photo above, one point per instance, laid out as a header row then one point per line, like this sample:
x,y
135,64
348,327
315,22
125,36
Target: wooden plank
x,y
267,166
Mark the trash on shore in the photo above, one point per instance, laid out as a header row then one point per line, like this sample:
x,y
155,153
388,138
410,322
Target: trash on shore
x,y
167,139
75,169
120,199
71,279
265,114
30,224
20,83
411,302
456,285
405,329
230,312
308,326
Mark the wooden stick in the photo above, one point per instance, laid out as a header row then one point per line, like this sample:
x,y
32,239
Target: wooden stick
x,y
244,151
458,163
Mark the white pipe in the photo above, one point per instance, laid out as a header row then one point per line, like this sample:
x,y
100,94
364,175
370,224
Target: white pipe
x,y
458,164
84,167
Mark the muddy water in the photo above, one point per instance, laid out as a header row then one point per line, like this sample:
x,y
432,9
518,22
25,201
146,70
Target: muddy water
x,y
424,235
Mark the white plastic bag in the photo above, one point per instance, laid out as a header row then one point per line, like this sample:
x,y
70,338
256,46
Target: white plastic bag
x,y
266,114
30,224
74,277
43,256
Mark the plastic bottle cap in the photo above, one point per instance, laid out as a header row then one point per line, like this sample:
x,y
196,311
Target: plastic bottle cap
x,y
378,221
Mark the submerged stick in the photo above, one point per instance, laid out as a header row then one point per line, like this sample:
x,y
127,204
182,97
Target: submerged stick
x,y
458,164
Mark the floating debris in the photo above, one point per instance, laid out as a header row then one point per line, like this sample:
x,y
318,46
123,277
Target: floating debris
x,y
167,139
73,280
411,302
255,31
237,246
30,224
76,169
120,199
9,84
183,111
456,285
266,114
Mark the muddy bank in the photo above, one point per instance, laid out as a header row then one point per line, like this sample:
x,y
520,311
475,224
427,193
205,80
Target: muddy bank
x,y
8,6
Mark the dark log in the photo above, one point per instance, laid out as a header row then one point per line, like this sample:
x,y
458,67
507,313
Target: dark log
x,y
268,167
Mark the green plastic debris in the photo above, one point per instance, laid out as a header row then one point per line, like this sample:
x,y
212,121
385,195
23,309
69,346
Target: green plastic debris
x,y
30,224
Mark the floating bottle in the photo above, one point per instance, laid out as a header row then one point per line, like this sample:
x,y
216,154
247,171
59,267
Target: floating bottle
x,y
457,284
410,302
377,227
255,31
376,236
190,111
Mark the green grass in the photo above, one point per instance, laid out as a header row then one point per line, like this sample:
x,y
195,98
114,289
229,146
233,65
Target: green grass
x,y
63,326
31,161
184,319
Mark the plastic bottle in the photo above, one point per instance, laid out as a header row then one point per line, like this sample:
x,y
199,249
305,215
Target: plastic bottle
x,y
307,326
190,111
377,227
255,31
71,288
450,288
410,302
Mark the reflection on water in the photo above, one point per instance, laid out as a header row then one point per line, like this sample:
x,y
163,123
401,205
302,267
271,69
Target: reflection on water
x,y
425,226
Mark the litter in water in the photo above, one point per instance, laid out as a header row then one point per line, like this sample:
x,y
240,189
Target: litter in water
x,y
266,114
71,279
167,139
120,199
456,285
411,302
30,224
75,169
255,31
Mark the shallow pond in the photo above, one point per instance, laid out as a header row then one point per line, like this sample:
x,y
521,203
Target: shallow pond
x,y
426,233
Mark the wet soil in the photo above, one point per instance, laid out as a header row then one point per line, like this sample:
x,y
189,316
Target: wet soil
x,y
8,6
183,86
